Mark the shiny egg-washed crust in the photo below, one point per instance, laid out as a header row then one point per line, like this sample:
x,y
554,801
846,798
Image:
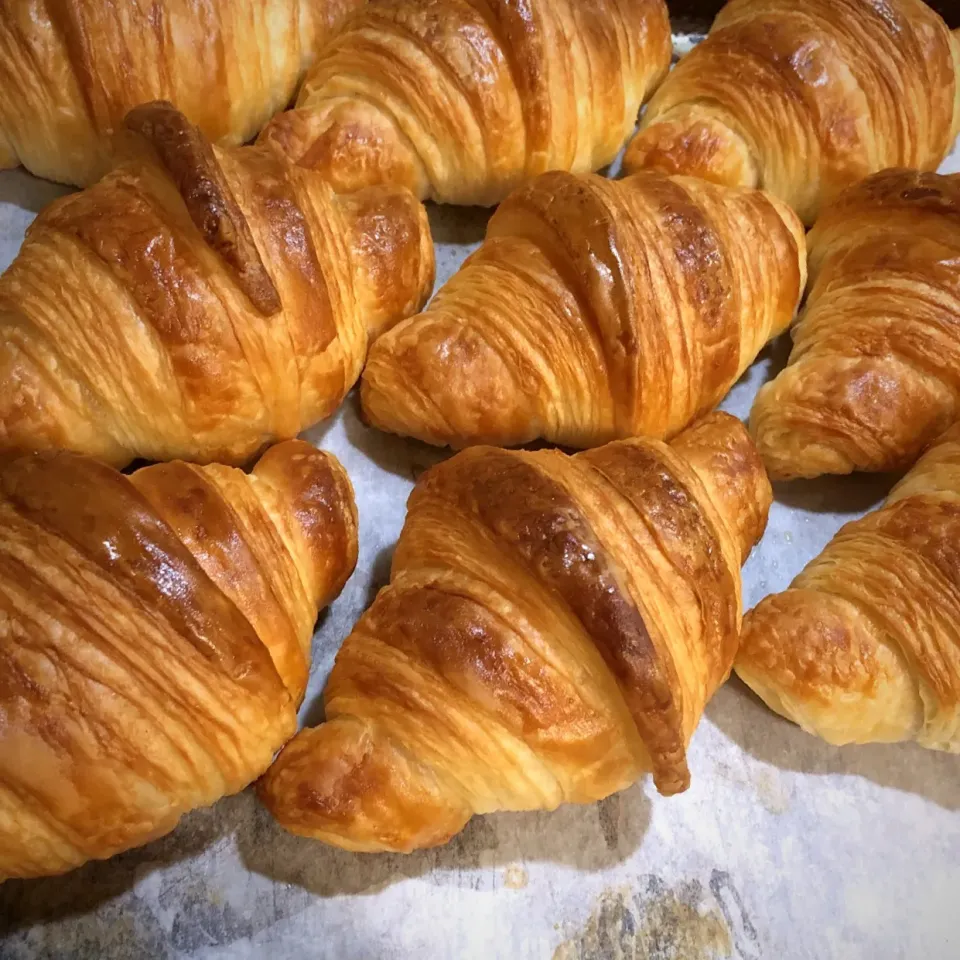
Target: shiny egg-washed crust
x,y
154,639
71,69
594,310
463,100
874,375
199,302
552,629
805,98
865,644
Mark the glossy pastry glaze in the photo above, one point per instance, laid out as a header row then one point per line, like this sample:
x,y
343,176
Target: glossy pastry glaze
x,y
874,375
463,100
552,629
71,69
804,99
154,639
199,302
594,310
865,644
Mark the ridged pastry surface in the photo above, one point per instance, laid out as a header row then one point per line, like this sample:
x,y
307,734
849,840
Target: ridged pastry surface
x,y
865,644
464,100
874,375
552,629
805,99
154,639
594,310
71,69
199,302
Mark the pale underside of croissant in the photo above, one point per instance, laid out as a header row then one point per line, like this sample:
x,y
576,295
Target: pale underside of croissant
x,y
463,100
594,310
552,629
804,99
199,302
154,639
865,645
71,69
874,375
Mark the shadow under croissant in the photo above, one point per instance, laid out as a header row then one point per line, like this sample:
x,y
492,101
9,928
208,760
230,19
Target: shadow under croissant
x,y
401,456
590,837
25,903
764,735
19,189
858,492
93,905
458,225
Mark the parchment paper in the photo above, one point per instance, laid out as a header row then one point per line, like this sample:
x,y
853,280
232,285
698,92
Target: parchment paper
x,y
783,847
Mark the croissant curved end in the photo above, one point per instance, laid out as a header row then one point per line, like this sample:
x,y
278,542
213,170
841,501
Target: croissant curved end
x,y
725,458
814,659
313,488
682,141
344,784
353,144
394,248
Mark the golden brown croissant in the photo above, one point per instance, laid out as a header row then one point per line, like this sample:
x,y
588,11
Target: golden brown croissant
x,y
199,302
874,375
552,629
463,100
865,645
804,99
594,310
71,69
154,639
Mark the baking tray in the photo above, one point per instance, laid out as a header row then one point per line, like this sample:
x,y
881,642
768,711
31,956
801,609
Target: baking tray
x,y
784,847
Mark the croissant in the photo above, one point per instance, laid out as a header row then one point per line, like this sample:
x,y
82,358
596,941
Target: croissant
x,y
595,310
865,645
463,100
552,629
199,302
71,69
154,639
804,99
873,376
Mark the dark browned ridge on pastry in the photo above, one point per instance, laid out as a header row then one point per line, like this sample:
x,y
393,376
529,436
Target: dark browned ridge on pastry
x,y
189,159
154,638
594,310
199,302
552,629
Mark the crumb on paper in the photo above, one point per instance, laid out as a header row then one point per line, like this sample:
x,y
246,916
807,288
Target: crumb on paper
x,y
661,923
765,784
515,877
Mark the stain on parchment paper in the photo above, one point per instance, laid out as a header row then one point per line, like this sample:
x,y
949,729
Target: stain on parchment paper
x,y
515,877
655,923
468,861
766,785
608,815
